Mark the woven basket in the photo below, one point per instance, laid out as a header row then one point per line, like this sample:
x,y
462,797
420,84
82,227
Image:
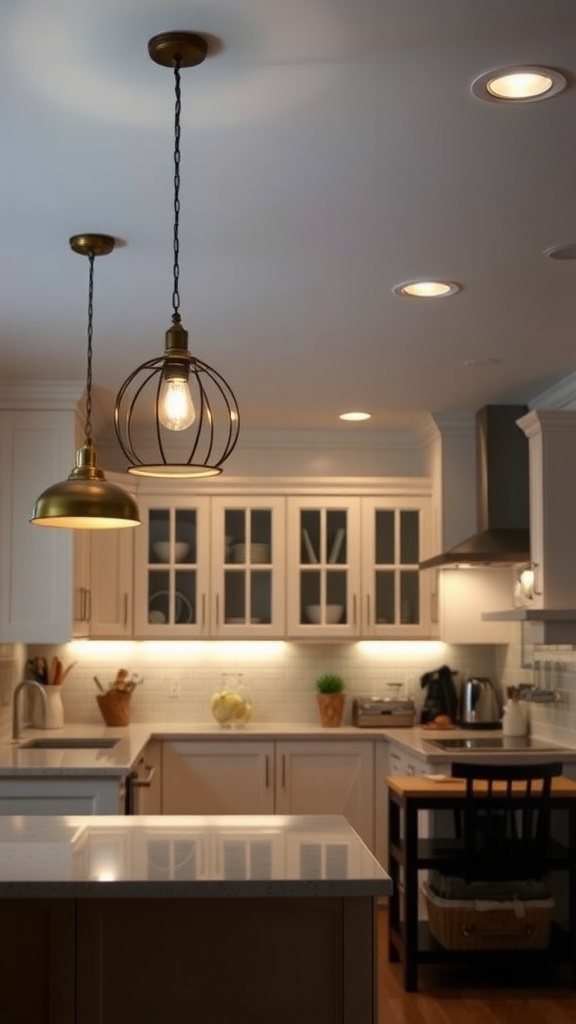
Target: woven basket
x,y
115,707
483,924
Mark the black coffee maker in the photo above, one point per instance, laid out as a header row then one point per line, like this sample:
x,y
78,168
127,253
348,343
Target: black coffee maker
x,y
441,697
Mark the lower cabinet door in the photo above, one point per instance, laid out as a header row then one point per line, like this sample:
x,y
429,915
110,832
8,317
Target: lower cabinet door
x,y
320,777
218,777
31,796
37,966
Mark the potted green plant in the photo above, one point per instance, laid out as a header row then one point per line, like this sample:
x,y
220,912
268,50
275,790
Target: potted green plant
x,y
330,697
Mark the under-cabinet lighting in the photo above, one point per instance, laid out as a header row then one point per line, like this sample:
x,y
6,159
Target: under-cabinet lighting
x,y
398,649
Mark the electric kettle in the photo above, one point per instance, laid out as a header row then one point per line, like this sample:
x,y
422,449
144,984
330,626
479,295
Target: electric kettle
x,y
481,704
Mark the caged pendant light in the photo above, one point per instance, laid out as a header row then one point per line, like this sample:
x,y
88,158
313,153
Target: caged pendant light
x,y
86,500
193,411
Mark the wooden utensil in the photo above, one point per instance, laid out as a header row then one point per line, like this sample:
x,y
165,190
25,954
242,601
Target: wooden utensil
x,y
64,672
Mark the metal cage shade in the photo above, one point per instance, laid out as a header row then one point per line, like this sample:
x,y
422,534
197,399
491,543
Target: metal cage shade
x,y
198,451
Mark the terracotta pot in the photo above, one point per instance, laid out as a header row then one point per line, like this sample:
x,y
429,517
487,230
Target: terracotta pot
x,y
331,707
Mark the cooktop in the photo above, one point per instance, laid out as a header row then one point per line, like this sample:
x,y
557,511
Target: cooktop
x,y
493,743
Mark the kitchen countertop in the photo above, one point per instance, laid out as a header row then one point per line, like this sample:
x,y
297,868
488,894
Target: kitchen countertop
x,y
16,760
179,856
418,741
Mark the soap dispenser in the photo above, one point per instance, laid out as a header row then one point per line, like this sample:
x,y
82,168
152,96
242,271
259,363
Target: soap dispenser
x,y
515,717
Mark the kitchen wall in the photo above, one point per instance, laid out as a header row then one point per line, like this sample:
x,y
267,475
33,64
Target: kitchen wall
x,y
279,675
548,667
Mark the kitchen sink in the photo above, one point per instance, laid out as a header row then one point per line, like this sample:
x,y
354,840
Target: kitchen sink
x,y
70,743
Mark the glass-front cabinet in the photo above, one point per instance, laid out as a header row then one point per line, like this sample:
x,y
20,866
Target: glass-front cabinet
x,y
248,567
302,566
396,601
211,567
353,568
172,570
323,567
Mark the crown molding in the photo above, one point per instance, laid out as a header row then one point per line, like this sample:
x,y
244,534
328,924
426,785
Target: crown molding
x,y
39,394
560,396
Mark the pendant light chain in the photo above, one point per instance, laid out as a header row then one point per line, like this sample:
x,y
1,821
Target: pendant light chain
x,y
195,418
176,268
89,332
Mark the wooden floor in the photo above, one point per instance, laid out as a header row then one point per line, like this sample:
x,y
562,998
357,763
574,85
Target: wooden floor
x,y
451,994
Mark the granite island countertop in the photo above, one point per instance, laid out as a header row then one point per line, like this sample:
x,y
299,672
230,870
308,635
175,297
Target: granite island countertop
x,y
16,759
179,856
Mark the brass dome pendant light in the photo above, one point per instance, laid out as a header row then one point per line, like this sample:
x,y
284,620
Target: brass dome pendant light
x,y
86,500
196,416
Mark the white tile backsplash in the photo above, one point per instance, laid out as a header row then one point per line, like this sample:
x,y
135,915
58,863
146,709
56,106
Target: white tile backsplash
x,y
550,667
279,676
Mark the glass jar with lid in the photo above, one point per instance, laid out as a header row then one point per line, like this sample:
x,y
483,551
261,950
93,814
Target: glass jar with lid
x,y
230,705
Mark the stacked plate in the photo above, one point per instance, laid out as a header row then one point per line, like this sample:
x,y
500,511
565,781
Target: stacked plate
x,y
254,553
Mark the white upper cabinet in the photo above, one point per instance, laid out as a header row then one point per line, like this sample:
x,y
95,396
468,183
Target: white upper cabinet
x,y
552,443
172,568
396,596
210,567
323,567
248,566
103,584
549,604
36,451
352,567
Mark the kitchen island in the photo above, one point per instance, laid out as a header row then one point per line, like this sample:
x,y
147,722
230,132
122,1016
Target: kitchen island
x,y
217,919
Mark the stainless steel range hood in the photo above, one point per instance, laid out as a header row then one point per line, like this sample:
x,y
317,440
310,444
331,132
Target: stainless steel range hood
x,y
502,496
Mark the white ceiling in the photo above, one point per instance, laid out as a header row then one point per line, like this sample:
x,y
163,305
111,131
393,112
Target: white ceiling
x,y
330,149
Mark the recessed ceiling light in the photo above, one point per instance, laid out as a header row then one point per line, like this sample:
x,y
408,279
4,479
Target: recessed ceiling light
x,y
355,417
561,252
523,84
426,289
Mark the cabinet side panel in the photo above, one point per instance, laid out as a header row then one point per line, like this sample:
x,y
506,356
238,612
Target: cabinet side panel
x,y
36,562
37,983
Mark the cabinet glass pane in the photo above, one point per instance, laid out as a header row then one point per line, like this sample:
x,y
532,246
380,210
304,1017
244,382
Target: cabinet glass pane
x,y
172,538
185,596
323,597
336,537
248,536
235,597
261,596
385,597
159,596
385,546
310,537
310,586
261,528
409,597
159,532
409,541
171,597
336,602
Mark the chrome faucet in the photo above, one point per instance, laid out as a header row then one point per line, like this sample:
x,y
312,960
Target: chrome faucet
x,y
15,696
